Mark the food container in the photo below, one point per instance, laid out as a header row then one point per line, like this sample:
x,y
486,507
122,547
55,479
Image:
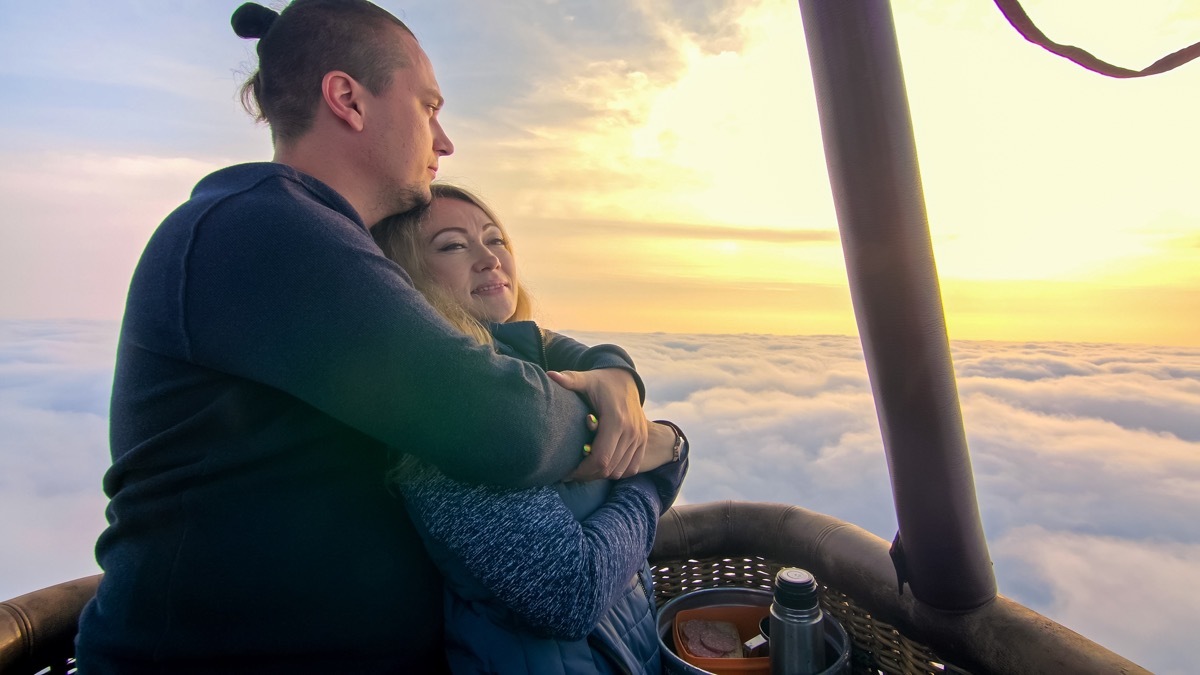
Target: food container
x,y
745,617
837,643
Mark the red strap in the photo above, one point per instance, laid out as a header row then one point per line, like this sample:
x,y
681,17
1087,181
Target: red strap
x,y
1016,15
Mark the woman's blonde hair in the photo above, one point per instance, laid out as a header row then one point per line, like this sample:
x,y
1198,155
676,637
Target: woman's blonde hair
x,y
399,237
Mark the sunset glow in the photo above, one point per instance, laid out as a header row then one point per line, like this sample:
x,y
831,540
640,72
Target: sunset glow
x,y
1058,202
674,180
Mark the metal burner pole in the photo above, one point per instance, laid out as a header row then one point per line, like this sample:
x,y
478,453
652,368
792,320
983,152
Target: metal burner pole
x,y
872,159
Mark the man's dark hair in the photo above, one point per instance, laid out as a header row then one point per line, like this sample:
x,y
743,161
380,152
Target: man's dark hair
x,y
298,46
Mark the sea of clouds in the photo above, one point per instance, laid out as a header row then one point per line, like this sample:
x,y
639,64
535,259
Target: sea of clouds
x,y
1086,459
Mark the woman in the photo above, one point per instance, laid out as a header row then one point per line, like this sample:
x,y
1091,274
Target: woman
x,y
549,579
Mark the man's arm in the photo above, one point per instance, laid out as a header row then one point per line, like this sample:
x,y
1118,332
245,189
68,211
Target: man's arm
x,y
312,308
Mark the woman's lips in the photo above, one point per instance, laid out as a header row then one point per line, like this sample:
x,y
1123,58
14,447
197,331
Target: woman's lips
x,y
490,288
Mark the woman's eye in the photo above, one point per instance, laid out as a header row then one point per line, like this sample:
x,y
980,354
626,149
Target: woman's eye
x,y
497,241
452,246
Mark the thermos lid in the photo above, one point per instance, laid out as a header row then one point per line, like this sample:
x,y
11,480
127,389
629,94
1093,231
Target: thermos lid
x,y
796,588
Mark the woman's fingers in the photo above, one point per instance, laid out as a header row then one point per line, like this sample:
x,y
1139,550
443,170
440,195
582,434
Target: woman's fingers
x,y
621,427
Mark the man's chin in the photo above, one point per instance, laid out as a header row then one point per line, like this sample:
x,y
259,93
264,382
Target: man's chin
x,y
410,198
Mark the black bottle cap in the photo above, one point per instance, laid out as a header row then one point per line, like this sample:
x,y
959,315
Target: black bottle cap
x,y
796,588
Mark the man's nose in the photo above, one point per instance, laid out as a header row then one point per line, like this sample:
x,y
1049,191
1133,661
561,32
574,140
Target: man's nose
x,y
441,142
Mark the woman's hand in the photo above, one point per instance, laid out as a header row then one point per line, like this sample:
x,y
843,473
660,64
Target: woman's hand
x,y
660,447
620,441
660,444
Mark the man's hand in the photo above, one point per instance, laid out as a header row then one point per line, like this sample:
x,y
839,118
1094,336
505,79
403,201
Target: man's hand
x,y
621,435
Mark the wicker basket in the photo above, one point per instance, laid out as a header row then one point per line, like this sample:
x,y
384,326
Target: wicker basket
x,y
745,543
37,630
877,646
738,544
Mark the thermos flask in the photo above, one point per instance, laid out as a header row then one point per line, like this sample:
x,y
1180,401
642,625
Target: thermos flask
x,y
797,625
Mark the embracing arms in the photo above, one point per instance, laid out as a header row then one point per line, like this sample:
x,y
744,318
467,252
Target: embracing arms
x,y
307,304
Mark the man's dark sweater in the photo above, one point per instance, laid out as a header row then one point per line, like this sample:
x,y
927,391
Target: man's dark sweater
x,y
268,355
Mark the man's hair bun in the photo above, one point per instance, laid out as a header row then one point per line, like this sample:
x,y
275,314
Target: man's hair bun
x,y
252,21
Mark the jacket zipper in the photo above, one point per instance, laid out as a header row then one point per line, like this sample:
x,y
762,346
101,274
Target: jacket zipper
x,y
645,593
541,337
603,647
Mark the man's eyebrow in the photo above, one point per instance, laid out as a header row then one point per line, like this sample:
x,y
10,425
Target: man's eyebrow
x,y
435,95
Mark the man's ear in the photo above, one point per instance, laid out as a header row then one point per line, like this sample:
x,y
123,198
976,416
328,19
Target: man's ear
x,y
345,97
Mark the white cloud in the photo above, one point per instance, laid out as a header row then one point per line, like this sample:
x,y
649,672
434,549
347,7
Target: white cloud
x,y
1086,461
1115,591
1084,455
54,383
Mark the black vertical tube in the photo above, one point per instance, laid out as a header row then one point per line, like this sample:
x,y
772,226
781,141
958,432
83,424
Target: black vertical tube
x,y
872,159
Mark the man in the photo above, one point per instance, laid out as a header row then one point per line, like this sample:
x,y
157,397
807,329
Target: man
x,y
269,356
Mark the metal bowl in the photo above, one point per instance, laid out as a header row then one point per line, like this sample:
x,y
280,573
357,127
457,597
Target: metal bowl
x,y
837,643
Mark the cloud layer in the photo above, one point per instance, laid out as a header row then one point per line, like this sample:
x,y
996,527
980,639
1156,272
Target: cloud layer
x,y
1086,461
1086,458
55,379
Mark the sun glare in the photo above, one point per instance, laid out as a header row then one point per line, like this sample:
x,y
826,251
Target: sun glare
x,y
1036,173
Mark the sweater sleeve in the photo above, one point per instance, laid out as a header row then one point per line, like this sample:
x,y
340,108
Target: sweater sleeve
x,y
299,298
556,575
564,353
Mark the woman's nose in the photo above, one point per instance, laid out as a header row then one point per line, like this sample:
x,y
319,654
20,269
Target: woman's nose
x,y
487,261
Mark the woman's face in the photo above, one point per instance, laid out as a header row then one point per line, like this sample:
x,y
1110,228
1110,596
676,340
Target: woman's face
x,y
467,255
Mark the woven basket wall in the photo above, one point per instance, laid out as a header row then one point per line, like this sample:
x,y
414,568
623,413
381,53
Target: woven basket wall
x,y
877,646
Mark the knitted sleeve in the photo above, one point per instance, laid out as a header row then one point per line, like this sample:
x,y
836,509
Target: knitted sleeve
x,y
556,575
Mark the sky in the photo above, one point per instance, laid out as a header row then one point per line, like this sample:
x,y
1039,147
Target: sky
x,y
1086,459
658,162
659,165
